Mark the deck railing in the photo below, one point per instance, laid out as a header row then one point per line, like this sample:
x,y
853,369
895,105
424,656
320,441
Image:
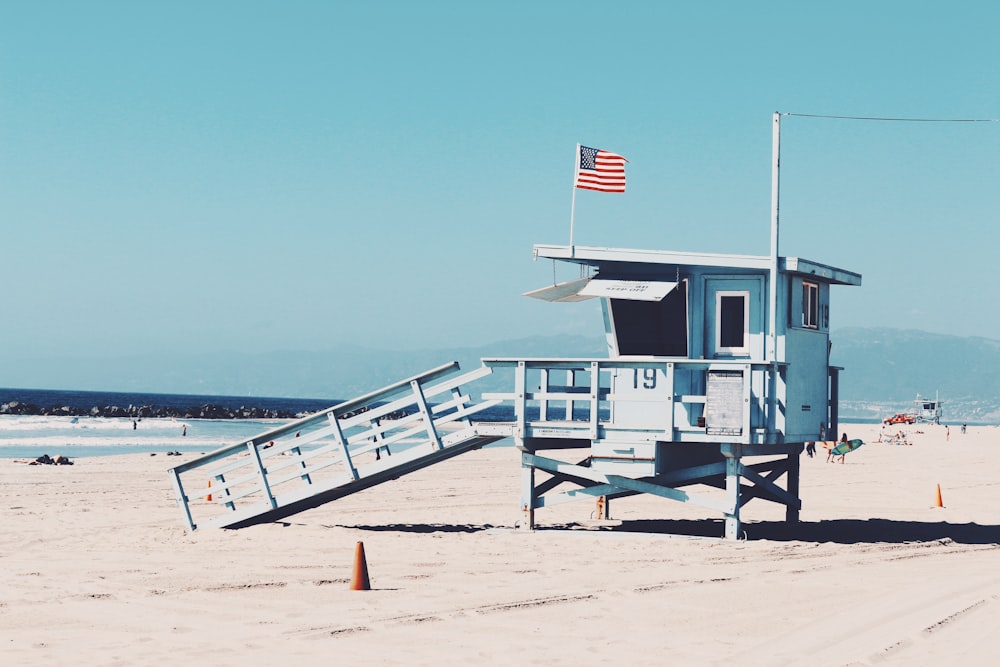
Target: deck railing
x,y
673,400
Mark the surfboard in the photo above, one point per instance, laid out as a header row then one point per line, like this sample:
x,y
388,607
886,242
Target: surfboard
x,y
825,444
845,447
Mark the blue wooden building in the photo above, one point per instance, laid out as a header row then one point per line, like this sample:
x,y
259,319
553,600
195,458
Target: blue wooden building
x,y
718,373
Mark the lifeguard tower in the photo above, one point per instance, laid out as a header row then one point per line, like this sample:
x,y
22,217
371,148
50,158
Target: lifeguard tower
x,y
927,410
704,376
717,373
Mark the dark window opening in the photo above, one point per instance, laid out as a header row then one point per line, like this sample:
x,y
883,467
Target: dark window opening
x,y
657,328
732,321
810,305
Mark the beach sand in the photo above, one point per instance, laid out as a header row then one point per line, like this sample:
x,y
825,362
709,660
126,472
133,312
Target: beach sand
x,y
96,568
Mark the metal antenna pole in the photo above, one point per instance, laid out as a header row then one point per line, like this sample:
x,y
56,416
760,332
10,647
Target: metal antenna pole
x,y
775,165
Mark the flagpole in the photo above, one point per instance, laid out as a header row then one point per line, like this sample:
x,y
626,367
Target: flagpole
x,y
775,174
572,207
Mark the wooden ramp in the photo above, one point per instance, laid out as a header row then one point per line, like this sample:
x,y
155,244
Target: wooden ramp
x,y
352,446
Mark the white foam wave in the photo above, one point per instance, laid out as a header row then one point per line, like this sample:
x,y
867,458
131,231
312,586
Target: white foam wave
x,y
54,433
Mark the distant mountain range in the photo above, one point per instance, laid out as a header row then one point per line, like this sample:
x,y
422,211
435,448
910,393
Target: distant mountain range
x,y
338,373
885,369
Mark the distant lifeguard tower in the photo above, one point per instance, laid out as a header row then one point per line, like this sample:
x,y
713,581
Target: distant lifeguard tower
x,y
718,371
927,409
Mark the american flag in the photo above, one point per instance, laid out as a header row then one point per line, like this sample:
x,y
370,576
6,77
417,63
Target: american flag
x,y
600,170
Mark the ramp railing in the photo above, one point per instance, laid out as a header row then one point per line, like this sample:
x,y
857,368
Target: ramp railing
x,y
367,437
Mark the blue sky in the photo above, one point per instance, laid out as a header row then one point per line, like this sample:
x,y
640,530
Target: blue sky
x,y
257,176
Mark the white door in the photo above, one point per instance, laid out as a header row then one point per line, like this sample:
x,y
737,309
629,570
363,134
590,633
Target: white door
x,y
734,318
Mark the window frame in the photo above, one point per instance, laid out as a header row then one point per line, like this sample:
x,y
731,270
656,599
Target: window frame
x,y
810,305
732,350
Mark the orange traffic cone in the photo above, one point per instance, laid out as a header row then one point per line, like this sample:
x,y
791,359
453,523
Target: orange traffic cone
x,y
208,498
937,500
359,581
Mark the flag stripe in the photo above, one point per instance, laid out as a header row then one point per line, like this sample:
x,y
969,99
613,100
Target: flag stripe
x,y
600,170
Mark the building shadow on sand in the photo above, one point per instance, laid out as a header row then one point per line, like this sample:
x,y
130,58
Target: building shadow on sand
x,y
418,528
839,531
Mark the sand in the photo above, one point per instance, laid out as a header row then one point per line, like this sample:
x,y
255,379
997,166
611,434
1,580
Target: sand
x,y
96,568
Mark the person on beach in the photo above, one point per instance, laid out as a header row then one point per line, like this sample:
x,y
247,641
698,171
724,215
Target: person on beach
x,y
829,452
843,441
811,446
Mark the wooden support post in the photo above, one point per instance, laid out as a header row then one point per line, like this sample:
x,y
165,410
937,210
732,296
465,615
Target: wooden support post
x,y
342,446
543,387
733,501
528,497
265,488
426,414
302,464
792,483
595,392
834,403
456,394
570,382
221,479
520,407
182,499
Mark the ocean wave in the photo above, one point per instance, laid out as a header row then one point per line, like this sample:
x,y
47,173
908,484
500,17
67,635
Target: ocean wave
x,y
24,436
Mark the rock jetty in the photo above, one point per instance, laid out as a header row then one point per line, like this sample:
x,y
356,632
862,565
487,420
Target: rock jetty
x,y
207,411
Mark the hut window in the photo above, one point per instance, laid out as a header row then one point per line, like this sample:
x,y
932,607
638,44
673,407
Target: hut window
x,y
810,305
653,327
732,320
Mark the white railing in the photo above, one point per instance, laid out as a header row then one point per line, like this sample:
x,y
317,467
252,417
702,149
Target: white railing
x,y
368,435
667,399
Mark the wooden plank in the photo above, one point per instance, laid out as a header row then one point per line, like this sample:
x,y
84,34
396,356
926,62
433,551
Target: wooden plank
x,y
772,489
573,495
625,483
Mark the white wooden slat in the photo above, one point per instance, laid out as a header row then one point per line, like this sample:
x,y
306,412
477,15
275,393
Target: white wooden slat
x,y
297,474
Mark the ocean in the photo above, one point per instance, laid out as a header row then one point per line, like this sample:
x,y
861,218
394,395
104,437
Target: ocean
x,y
32,435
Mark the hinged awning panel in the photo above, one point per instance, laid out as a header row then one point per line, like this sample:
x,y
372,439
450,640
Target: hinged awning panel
x,y
632,290
562,292
588,288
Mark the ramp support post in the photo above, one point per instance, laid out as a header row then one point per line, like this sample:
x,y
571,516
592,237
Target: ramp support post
x,y
182,499
265,488
425,413
345,453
